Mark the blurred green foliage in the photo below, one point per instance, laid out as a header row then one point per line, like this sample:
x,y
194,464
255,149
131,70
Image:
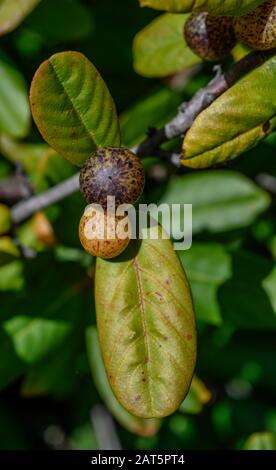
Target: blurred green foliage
x,y
46,302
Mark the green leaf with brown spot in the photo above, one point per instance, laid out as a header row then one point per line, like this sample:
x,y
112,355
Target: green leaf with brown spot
x,y
140,426
146,327
215,7
235,122
72,107
160,50
13,12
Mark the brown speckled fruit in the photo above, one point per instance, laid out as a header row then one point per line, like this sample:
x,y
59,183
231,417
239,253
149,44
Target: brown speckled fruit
x,y
101,235
210,37
257,29
112,172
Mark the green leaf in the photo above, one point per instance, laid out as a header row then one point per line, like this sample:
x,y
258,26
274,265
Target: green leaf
x,y
5,219
261,441
33,338
198,396
140,426
152,111
41,163
250,274
11,276
160,50
215,7
146,327
13,12
11,365
8,251
55,374
72,107
208,266
46,21
215,274
14,105
222,200
240,117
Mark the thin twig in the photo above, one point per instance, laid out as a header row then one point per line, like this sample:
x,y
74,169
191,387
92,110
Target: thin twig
x,y
177,126
25,209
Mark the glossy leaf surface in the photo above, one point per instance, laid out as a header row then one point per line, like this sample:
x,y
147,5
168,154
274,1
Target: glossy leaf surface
x,y
160,49
72,107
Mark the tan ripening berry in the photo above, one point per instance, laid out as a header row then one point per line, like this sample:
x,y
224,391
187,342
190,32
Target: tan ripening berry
x,y
114,172
257,29
210,37
101,235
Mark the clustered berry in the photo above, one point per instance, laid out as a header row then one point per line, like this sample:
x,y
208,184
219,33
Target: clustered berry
x,y
257,29
213,37
113,172
210,37
101,235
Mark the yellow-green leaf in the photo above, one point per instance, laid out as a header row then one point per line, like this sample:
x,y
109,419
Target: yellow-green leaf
x,y
215,7
5,219
72,107
261,441
146,327
8,250
140,426
198,396
160,50
236,121
12,12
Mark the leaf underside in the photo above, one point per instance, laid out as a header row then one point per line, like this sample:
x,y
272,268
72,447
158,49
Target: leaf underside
x,y
146,327
13,12
235,122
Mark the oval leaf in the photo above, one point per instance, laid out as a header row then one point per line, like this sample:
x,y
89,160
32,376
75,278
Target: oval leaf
x,y
12,12
146,327
235,122
261,441
160,50
215,7
221,199
140,426
72,107
14,105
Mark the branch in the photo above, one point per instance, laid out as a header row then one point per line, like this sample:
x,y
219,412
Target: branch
x,y
24,209
201,100
14,188
177,126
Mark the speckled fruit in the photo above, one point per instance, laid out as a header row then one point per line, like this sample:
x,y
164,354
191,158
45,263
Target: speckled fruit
x,y
210,37
112,172
257,29
101,235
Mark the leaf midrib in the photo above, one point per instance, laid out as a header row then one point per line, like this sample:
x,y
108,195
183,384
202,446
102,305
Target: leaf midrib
x,y
90,133
144,322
